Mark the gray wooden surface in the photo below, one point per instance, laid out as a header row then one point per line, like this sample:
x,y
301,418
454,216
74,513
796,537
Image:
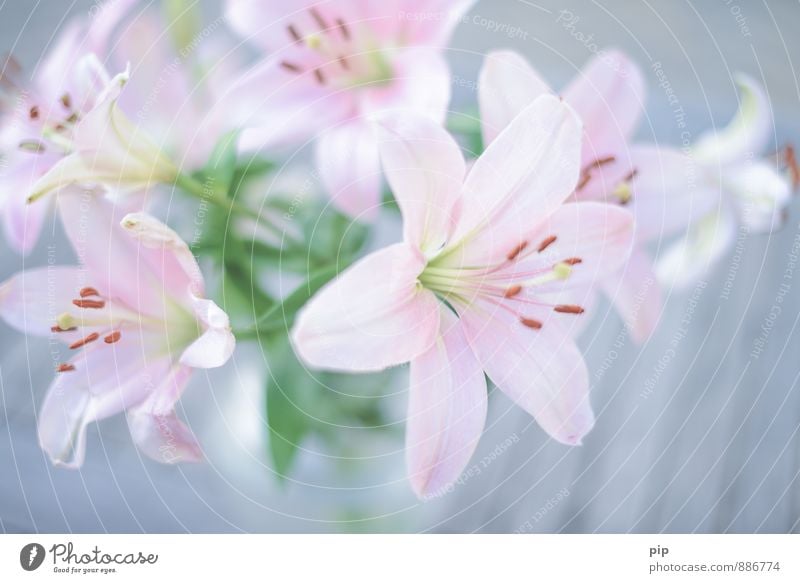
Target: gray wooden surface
x,y
695,431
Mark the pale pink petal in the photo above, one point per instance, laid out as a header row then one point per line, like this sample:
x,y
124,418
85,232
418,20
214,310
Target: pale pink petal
x,y
599,235
420,84
636,295
372,316
446,410
524,174
277,107
116,262
507,85
609,96
216,343
667,193
425,170
746,135
104,19
413,22
761,193
23,222
172,263
31,301
541,370
689,259
107,379
156,429
347,160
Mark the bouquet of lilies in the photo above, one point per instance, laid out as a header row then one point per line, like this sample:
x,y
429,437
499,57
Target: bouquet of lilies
x,y
169,158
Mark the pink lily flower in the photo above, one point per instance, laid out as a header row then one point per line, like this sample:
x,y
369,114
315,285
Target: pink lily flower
x,y
739,185
332,67
134,322
37,117
489,278
608,95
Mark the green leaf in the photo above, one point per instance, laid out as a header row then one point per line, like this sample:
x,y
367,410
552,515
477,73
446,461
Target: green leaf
x,y
288,386
221,166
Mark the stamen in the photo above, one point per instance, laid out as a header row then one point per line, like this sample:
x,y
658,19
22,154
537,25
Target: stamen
x,y
88,291
34,146
66,321
791,162
343,27
113,337
318,18
546,243
65,367
293,33
34,112
58,328
291,67
568,309
585,178
602,161
512,291
83,341
73,118
319,77
66,101
531,323
344,63
573,261
517,250
94,304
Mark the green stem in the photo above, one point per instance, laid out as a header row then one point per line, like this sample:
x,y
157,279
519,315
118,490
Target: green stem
x,y
200,191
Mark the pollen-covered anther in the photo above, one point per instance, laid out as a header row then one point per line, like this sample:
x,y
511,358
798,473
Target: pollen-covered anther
x,y
568,309
512,291
512,255
319,76
573,261
293,33
113,337
531,323
65,367
58,328
65,321
66,101
87,292
84,341
546,243
33,113
291,67
603,161
34,146
93,304
562,270
794,168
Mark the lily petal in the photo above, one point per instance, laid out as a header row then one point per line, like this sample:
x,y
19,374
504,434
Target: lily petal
x,y
761,194
541,370
156,429
347,160
446,410
106,381
609,96
636,295
425,170
372,316
687,260
667,193
747,134
507,85
215,345
523,176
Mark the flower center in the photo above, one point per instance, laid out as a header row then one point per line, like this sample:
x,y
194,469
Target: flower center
x,y
508,284
333,54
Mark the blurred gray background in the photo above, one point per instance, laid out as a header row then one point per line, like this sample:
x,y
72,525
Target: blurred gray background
x,y
695,433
